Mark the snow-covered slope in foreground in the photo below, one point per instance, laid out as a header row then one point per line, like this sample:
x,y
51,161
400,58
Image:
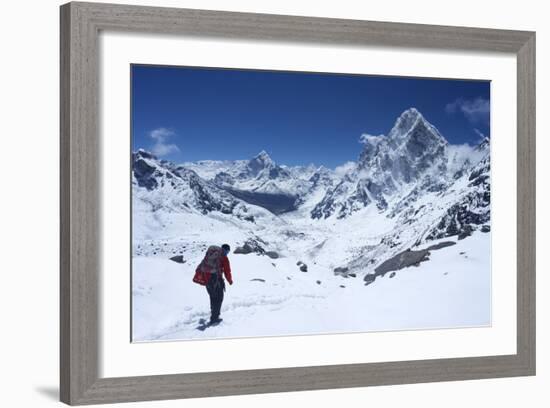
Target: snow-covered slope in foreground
x,y
273,297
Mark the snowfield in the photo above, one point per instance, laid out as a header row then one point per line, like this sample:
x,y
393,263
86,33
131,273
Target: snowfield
x,y
272,297
408,191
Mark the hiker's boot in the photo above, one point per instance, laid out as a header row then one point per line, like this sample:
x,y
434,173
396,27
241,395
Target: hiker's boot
x,y
216,320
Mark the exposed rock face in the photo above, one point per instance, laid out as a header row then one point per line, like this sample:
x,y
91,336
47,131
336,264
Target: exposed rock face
x,y
143,171
466,232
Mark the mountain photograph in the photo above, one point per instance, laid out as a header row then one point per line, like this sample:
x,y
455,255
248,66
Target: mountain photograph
x,y
270,203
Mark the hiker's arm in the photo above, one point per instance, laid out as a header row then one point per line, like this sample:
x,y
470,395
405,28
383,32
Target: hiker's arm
x,y
227,270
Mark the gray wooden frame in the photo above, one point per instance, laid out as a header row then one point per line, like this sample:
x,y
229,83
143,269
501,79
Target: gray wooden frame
x,y
80,234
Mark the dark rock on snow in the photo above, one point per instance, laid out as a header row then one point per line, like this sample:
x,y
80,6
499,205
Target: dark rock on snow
x,y
245,249
407,258
369,278
466,232
249,247
441,245
341,271
272,254
178,259
402,260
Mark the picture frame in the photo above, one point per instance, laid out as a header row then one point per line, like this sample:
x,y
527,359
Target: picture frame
x,y
80,158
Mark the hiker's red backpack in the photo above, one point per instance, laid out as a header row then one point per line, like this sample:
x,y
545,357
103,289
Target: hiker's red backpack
x,y
210,264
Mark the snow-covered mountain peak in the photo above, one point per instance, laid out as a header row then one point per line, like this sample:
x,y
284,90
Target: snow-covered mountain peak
x,y
261,161
411,146
411,124
142,153
405,123
483,145
263,155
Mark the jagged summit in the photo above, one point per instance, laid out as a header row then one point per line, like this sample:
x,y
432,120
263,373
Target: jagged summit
x,y
145,154
484,144
260,162
404,123
411,146
411,123
263,155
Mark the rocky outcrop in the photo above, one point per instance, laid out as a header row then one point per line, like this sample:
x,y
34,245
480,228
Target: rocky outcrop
x,y
341,271
407,258
250,246
402,260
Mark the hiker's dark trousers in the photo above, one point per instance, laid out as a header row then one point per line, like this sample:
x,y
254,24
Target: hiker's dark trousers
x,y
215,288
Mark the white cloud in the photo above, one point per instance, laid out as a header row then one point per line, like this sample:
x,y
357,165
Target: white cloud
x,y
459,154
366,138
475,110
345,168
161,147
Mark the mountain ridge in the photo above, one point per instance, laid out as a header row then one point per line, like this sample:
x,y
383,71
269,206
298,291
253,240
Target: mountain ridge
x,y
411,180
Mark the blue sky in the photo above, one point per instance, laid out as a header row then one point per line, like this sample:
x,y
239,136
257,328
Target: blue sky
x,y
188,114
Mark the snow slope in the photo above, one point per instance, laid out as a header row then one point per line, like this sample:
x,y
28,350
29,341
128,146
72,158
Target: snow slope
x,y
449,290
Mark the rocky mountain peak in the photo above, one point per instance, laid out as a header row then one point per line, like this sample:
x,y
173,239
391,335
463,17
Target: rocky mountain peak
x,y
405,122
412,144
483,145
144,154
411,124
260,162
263,157
411,150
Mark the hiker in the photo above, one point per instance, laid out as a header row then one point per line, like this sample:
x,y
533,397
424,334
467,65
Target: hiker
x,y
210,273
